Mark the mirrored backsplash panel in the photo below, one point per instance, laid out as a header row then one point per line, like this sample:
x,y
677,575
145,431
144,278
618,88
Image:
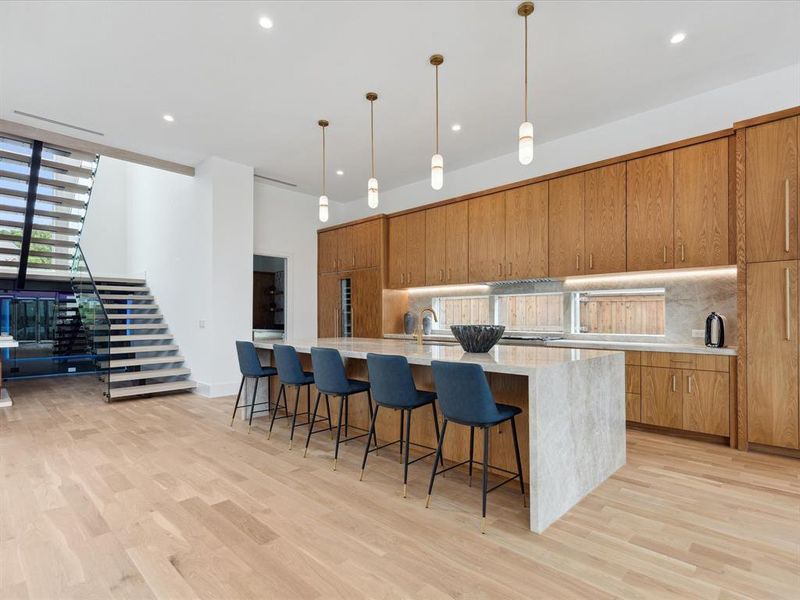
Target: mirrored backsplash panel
x,y
654,306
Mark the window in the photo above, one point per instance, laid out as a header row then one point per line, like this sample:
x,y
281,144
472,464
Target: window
x,y
626,312
532,312
470,310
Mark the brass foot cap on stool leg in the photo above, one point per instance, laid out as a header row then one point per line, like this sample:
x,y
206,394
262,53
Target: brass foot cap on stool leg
x,y
269,434
334,463
427,501
361,477
249,427
305,451
290,444
483,525
405,490
524,502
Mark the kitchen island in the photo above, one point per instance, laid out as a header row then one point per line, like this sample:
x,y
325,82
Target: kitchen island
x,y
572,430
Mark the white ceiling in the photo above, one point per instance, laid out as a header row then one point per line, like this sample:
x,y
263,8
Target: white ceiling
x,y
254,95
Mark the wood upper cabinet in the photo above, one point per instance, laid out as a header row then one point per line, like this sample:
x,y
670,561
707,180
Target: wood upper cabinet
x,y
662,397
772,353
366,243
706,402
604,220
327,251
487,247
565,218
457,243
771,196
436,245
407,250
701,204
345,249
649,212
526,232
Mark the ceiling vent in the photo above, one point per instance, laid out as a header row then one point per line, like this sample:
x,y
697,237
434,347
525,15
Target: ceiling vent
x,y
273,180
54,122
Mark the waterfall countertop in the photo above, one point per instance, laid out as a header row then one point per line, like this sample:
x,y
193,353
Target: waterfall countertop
x,y
508,359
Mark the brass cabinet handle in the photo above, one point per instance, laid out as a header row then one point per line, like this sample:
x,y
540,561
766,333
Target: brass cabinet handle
x,y
665,253
577,262
409,278
788,305
689,382
441,274
510,269
786,233
402,277
591,260
683,253
500,269
674,383
450,276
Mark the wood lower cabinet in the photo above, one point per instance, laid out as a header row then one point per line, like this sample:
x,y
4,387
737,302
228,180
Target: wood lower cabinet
x,y
565,218
771,190
772,354
407,250
706,402
649,212
633,393
701,205
527,232
366,303
662,397
604,220
328,305
487,246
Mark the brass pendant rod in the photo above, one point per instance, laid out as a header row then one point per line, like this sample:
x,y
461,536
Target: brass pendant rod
x,y
437,109
372,134
526,69
323,161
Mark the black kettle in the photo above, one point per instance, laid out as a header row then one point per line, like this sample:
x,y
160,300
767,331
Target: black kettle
x,y
715,330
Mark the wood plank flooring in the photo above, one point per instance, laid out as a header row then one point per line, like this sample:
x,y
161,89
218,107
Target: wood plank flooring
x,y
159,498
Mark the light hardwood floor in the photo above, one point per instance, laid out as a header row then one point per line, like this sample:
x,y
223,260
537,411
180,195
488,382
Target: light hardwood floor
x,y
159,498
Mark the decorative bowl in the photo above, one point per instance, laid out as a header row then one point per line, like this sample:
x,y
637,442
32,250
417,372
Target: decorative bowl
x,y
477,338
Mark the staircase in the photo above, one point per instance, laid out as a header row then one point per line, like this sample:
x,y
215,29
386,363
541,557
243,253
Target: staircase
x,y
70,334
44,193
141,353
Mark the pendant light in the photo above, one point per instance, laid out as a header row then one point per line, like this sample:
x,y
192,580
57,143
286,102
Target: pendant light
x,y
437,162
323,199
372,184
526,129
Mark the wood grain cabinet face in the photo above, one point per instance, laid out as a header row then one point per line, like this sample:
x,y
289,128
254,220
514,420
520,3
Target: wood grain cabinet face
x,y
415,248
772,353
633,393
706,402
604,220
565,219
649,212
457,242
526,232
701,204
367,244
771,196
397,252
662,397
327,251
345,250
366,307
328,305
487,247
436,245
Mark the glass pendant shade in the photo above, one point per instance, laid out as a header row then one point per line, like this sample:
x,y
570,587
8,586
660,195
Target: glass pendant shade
x,y
437,171
526,143
323,209
372,192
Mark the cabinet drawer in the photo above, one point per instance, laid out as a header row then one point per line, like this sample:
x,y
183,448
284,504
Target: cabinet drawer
x,y
672,360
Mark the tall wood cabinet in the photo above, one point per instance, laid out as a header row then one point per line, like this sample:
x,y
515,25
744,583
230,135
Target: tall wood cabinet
x,y
447,244
526,234
407,250
487,233
565,217
650,212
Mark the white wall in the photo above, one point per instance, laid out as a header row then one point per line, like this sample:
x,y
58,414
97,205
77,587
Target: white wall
x,y
704,113
104,239
285,224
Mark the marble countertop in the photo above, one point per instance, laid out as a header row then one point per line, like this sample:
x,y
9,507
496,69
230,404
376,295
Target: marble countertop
x,y
589,344
508,359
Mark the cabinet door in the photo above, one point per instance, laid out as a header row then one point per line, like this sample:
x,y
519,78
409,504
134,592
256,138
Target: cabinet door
x,y
771,190
526,232
415,248
772,353
457,241
366,303
662,397
649,212
367,244
328,305
345,251
435,245
633,393
604,220
327,251
565,217
487,248
701,205
397,252
706,402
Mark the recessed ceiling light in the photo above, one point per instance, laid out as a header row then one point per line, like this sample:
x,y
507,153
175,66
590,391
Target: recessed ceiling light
x,y
677,38
456,127
169,118
340,172
265,22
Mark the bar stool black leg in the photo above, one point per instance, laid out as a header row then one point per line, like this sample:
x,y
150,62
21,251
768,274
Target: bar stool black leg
x,y
372,422
471,452
281,391
346,416
294,416
519,461
436,427
308,401
252,406
485,476
402,428
342,402
269,393
435,461
311,426
405,455
330,423
373,437
236,406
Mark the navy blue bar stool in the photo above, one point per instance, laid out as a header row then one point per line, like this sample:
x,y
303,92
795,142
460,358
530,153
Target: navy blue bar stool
x,y
331,380
393,384
251,368
291,374
466,399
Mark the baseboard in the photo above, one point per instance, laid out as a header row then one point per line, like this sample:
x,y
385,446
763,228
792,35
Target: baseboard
x,y
216,390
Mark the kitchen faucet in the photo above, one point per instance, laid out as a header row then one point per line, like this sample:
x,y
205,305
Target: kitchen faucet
x,y
418,332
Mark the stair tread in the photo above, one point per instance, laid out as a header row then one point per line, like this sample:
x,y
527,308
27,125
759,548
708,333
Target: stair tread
x,y
136,362
121,288
125,297
153,388
148,374
136,326
138,349
130,316
137,337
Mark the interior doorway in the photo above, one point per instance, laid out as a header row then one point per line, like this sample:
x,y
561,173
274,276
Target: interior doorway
x,y
269,297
